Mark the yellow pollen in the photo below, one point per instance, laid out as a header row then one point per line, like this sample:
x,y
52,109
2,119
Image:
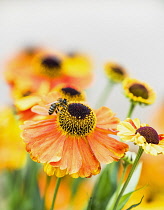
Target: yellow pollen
x,y
76,119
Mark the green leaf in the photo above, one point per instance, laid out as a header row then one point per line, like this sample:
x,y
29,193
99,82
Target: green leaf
x,y
104,187
134,205
129,190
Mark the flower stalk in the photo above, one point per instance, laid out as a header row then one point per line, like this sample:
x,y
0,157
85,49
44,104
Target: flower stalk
x,y
139,154
55,193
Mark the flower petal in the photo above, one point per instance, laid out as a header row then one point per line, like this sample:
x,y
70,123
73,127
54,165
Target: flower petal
x,y
90,165
43,142
106,118
105,148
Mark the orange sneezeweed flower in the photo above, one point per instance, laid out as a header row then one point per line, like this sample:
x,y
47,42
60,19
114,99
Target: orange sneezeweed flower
x,y
28,100
75,140
12,149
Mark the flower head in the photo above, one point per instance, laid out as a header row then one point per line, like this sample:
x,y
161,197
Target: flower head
x,y
75,140
138,91
141,134
115,72
70,92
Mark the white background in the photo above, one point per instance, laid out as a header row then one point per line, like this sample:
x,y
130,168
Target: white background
x,y
128,32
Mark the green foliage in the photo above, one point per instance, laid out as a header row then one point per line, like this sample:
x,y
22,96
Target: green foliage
x,y
104,188
135,205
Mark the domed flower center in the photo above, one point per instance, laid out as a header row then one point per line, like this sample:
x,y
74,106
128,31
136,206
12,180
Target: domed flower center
x,y
149,134
70,91
139,90
51,62
118,70
77,119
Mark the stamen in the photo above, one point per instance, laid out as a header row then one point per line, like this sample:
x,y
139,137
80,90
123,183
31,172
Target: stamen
x,y
71,91
118,70
78,110
77,119
149,133
51,62
139,90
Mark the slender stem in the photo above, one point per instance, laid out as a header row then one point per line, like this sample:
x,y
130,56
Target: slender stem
x,y
48,179
131,109
104,95
140,151
55,192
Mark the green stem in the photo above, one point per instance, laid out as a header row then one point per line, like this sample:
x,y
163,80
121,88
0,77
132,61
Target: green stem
x,y
55,192
140,151
104,95
131,109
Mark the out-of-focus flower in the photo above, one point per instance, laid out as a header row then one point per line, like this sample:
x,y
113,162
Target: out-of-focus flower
x,y
18,65
115,72
70,92
25,103
152,188
138,92
141,134
75,140
12,149
64,199
78,69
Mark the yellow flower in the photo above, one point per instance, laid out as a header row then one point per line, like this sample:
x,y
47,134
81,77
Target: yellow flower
x,y
115,72
12,149
75,140
142,135
78,69
138,91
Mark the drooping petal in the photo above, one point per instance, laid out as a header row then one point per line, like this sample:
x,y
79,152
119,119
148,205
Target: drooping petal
x,y
43,142
105,148
71,159
106,119
90,165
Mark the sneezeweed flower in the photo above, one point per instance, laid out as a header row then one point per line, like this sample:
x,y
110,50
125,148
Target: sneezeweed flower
x,y
142,135
25,99
138,92
115,72
18,65
78,69
75,140
12,149
70,92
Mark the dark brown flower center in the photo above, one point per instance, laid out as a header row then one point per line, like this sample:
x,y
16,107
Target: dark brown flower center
x,y
51,62
149,134
71,91
78,110
76,119
139,91
118,70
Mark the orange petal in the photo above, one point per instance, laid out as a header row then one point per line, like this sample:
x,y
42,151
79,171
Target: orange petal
x,y
44,141
71,159
90,164
106,118
105,148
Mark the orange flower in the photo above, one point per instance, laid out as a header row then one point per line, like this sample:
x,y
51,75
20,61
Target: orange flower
x,y
31,68
75,140
26,102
